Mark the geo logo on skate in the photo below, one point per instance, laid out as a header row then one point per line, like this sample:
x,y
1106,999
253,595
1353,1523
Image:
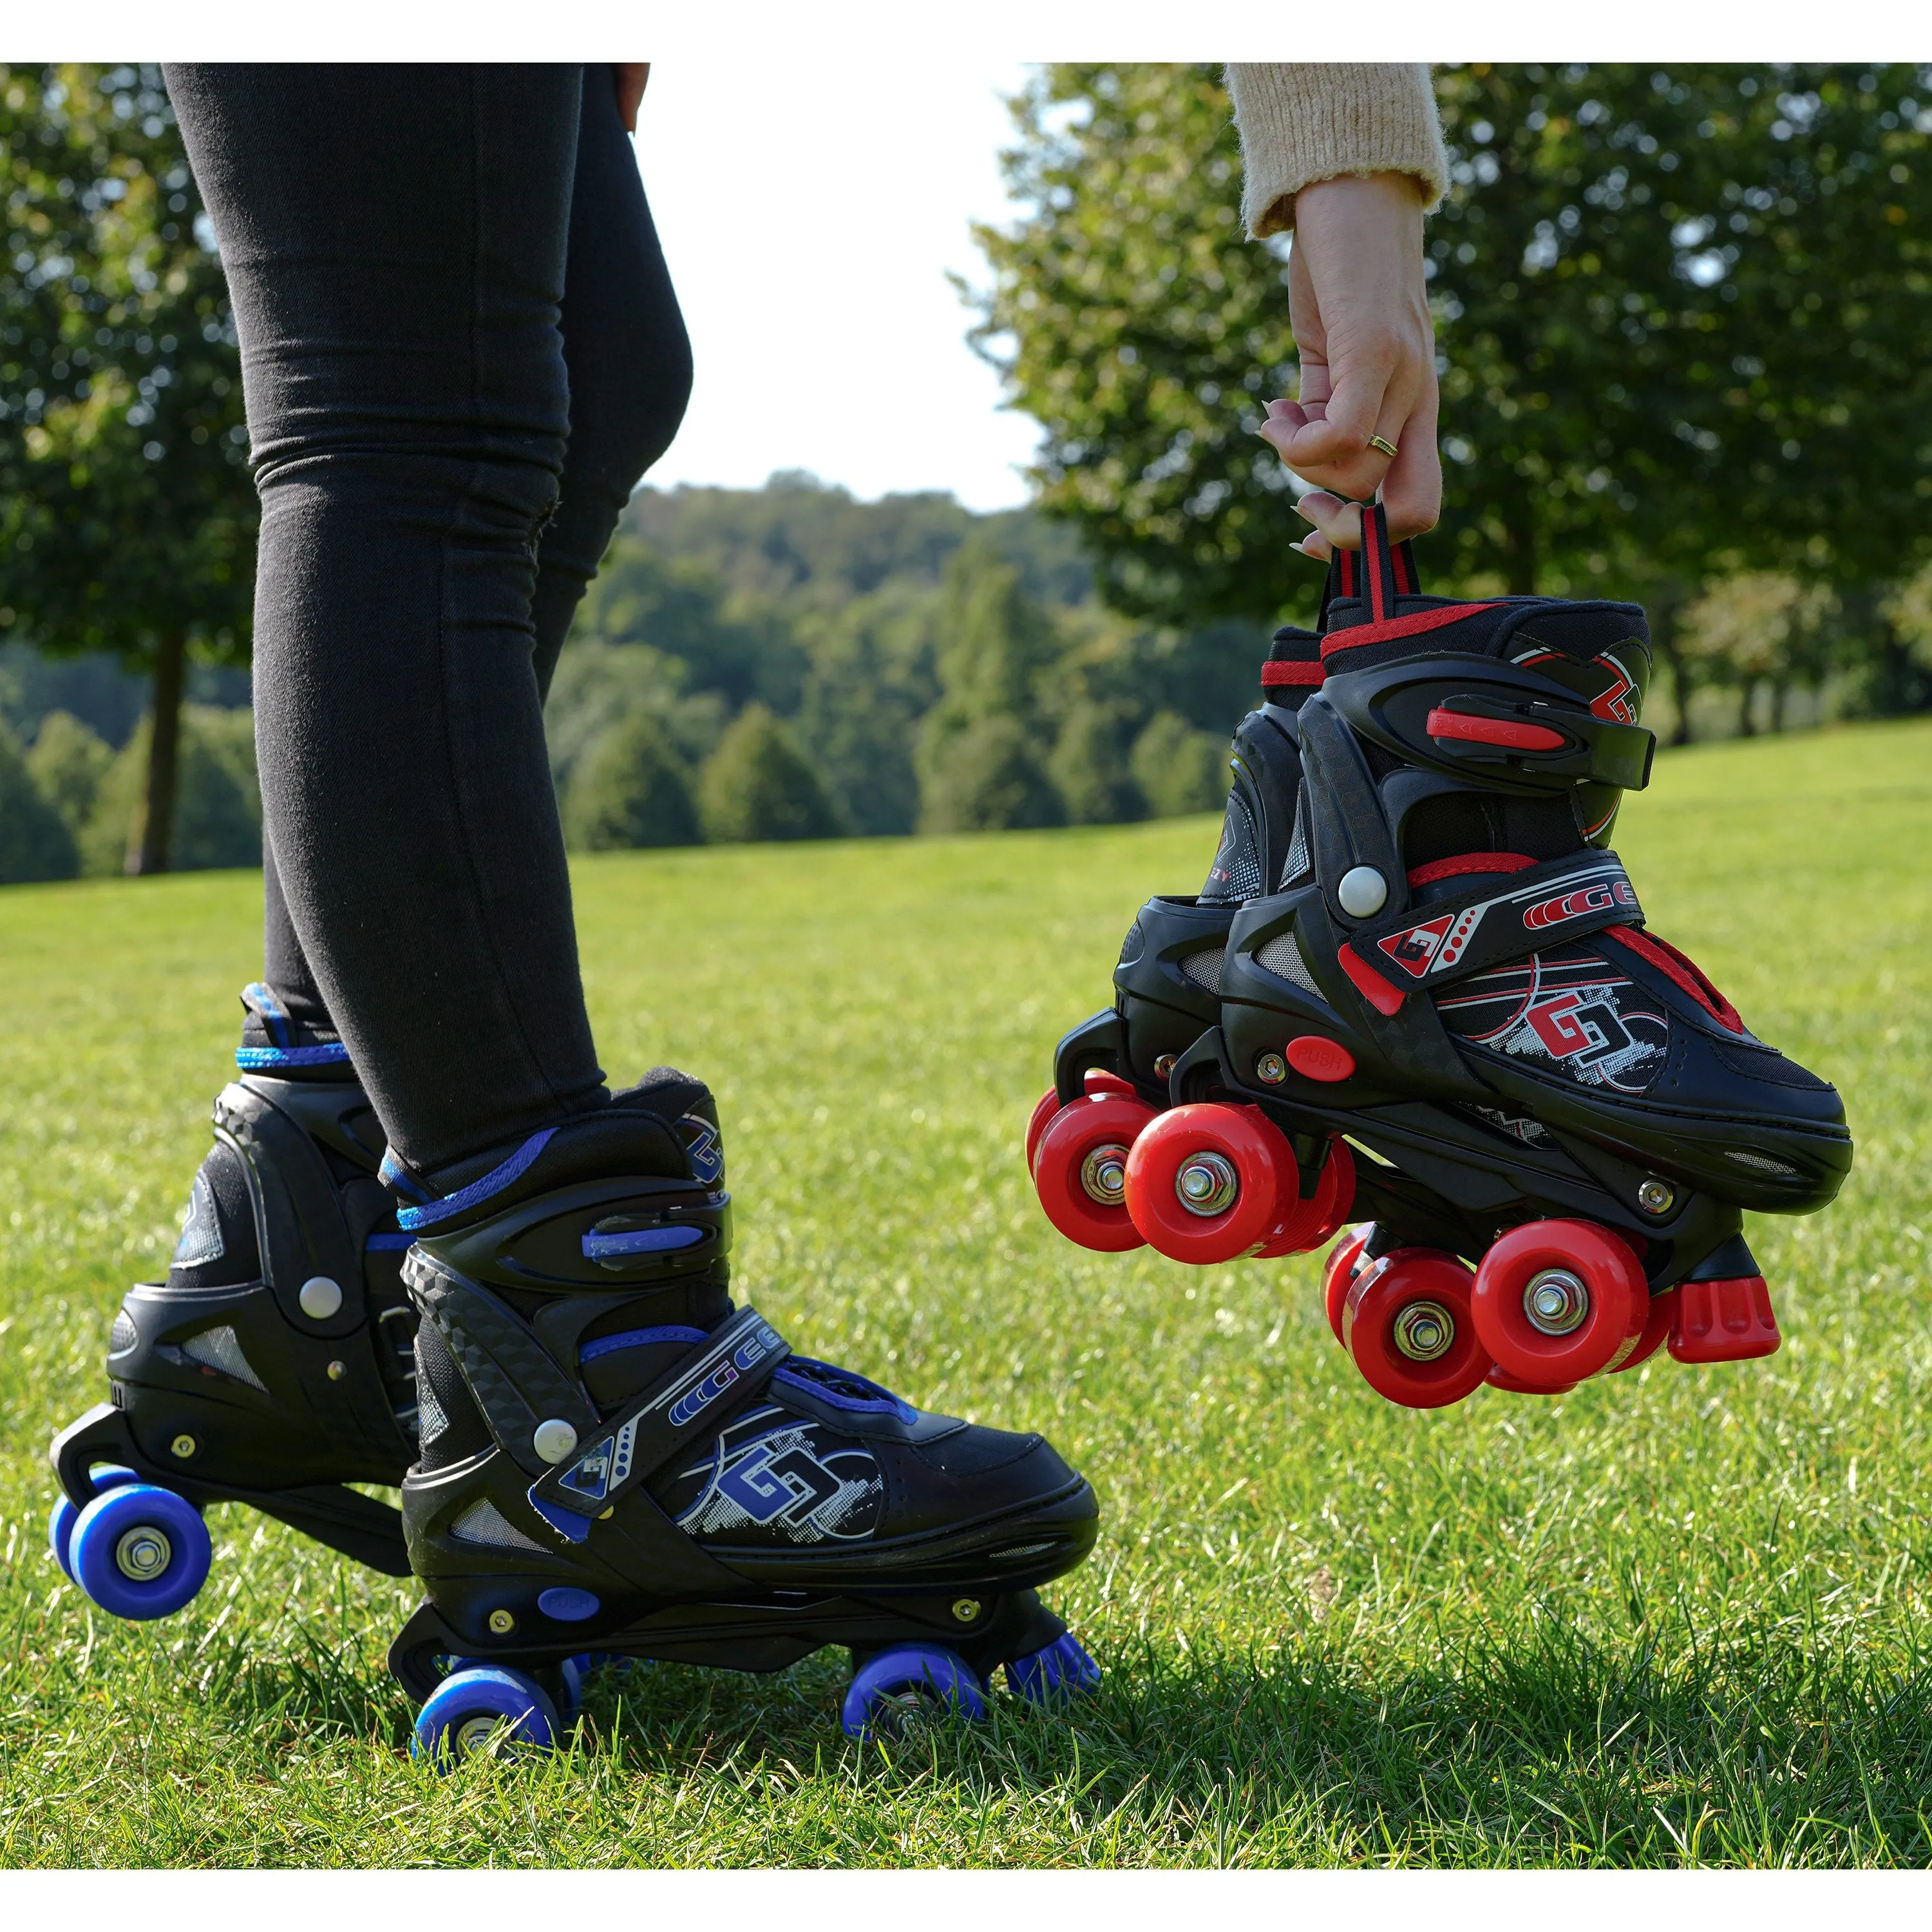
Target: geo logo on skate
x,y
788,1482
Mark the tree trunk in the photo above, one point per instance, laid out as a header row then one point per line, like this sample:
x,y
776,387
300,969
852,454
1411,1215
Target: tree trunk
x,y
1664,634
1519,557
1746,726
153,830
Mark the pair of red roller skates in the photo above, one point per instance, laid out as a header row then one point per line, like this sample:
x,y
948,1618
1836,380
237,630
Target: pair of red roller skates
x,y
1418,988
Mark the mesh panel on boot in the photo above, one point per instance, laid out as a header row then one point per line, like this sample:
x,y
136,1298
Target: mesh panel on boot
x,y
442,1393
1204,967
217,1248
1283,957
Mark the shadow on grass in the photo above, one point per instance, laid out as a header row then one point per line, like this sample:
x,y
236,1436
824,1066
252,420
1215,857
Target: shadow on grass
x,y
1664,1750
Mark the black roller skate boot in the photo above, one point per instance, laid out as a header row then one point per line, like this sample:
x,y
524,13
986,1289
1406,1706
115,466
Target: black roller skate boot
x,y
1112,1073
1458,978
618,1462
274,1365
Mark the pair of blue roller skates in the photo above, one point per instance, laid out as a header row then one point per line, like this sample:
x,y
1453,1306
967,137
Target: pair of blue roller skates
x,y
601,1457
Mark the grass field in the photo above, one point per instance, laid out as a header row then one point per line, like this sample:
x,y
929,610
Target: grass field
x,y
1679,1618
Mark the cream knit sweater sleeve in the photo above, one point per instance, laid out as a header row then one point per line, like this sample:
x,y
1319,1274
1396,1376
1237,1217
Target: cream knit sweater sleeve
x,y
1303,123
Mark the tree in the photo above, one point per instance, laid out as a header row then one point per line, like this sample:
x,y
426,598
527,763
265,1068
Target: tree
x,y
127,515
217,811
1179,769
976,754
1667,302
67,764
756,786
628,790
33,842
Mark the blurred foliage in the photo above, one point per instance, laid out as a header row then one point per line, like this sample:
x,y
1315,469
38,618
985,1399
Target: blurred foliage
x,y
34,841
931,669
126,514
756,786
67,764
630,790
217,799
1679,315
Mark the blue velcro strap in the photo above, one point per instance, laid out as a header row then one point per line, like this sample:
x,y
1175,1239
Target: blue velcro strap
x,y
494,1182
638,1338
379,1244
641,1241
256,995
266,1059
393,1174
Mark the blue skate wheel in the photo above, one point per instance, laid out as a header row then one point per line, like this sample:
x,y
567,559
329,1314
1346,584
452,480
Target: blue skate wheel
x,y
572,1673
62,1517
903,1686
478,1703
1062,1669
139,1551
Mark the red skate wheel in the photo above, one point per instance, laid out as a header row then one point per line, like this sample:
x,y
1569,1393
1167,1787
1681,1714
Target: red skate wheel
x,y
1080,1170
1205,1182
1724,1321
1502,1379
1658,1320
1406,1322
1042,1116
1308,1224
1555,1301
1339,1275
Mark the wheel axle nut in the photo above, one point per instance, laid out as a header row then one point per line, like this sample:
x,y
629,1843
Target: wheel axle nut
x,y
1163,1066
966,1610
1207,1183
502,1623
1425,1331
143,1554
337,1370
1271,1069
1103,1174
183,1446
1556,1302
1656,1197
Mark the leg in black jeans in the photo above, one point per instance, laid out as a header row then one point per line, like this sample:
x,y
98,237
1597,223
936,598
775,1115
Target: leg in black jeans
x,y
434,273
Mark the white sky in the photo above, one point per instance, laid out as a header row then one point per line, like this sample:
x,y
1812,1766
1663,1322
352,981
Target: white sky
x,y
809,211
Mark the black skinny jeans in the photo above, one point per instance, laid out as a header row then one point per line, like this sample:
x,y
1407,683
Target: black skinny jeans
x,y
460,350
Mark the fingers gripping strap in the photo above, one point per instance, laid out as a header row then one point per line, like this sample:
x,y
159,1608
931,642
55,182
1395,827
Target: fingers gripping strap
x,y
1549,905
737,1360
516,1382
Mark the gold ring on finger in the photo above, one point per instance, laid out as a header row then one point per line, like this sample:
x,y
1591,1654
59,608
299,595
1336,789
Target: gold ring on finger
x,y
1382,443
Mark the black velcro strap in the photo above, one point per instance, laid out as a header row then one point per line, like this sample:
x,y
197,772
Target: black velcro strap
x,y
1549,905
515,1380
738,1360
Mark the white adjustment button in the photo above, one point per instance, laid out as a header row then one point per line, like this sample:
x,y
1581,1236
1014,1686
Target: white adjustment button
x,y
1363,892
553,1440
320,1298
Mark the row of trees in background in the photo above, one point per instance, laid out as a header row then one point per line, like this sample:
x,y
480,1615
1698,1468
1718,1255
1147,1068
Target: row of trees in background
x,y
791,664
1679,314
1680,318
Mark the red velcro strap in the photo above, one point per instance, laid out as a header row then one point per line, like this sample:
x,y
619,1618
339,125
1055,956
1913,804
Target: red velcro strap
x,y
1399,627
1290,670
1518,737
1370,984
1469,861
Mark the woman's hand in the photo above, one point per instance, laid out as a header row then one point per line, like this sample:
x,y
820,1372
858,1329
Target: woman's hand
x,y
632,77
1360,309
